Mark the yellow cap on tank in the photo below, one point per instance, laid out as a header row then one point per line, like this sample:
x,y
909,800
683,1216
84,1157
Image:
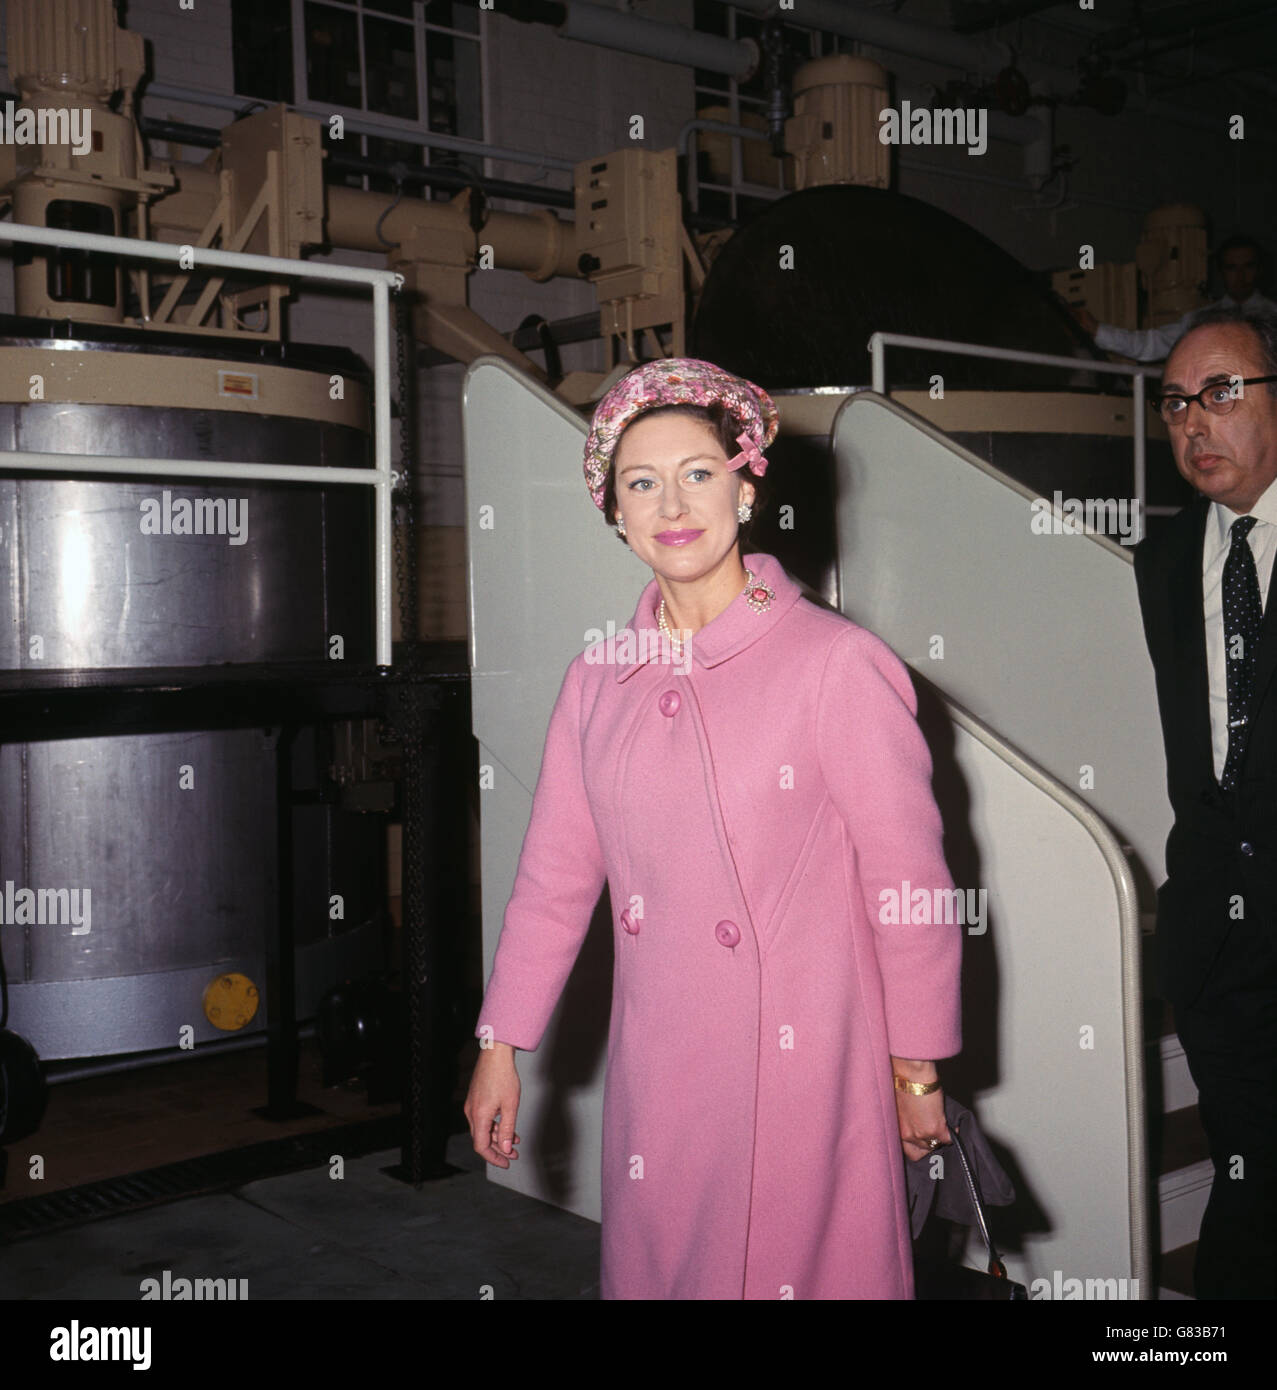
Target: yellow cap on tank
x,y
230,1001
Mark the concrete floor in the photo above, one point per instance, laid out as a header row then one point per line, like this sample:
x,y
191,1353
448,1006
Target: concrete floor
x,y
304,1235
308,1236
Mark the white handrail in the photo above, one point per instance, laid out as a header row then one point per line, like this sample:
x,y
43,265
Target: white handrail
x,y
378,477
1124,890
878,342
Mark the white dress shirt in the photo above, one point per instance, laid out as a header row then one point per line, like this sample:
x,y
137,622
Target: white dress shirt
x,y
1153,344
1215,547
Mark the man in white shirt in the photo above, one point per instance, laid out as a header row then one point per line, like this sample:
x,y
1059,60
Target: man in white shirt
x,y
1238,261
1206,595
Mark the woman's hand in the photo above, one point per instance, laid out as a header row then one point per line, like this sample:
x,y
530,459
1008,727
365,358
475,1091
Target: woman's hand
x,y
492,1105
921,1117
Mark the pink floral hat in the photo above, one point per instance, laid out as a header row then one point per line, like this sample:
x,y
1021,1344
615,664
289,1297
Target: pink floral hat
x,y
679,381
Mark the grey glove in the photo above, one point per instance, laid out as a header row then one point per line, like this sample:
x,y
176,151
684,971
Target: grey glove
x,y
948,1194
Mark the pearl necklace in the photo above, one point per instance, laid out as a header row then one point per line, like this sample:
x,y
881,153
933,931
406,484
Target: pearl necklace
x,y
758,596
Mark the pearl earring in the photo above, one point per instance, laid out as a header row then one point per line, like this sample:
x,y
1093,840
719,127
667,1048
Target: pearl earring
x,y
744,512
620,525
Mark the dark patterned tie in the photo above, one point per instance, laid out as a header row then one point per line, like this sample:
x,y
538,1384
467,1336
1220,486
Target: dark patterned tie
x,y
1243,614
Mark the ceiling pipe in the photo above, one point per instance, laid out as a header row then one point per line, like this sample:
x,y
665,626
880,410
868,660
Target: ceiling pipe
x,y
648,38
895,35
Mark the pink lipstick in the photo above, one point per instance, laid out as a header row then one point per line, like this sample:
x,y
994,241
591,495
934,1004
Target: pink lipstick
x,y
678,537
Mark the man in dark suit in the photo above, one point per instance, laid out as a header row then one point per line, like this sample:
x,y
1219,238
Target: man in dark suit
x,y
1205,587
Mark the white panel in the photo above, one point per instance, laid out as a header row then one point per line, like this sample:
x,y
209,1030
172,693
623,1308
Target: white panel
x,y
1042,633
1065,1097
542,569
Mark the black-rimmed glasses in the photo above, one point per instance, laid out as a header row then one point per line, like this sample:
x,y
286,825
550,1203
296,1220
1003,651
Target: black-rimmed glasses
x,y
1218,398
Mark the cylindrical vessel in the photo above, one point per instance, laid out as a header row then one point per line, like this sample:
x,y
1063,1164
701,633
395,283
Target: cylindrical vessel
x,y
136,869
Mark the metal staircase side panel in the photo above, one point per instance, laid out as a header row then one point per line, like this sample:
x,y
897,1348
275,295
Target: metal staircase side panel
x,y
1038,635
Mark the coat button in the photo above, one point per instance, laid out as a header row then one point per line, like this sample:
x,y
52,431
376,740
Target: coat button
x,y
1246,847
628,922
727,933
669,702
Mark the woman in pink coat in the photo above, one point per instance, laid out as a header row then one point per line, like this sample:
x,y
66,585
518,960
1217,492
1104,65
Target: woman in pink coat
x,y
757,797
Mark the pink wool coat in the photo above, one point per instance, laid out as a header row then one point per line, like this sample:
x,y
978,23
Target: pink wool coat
x,y
746,817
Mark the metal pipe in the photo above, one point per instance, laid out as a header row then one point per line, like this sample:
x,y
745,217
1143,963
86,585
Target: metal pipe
x,y
140,1061
688,149
380,280
26,459
1015,130
194,178
1140,457
206,256
686,129
428,175
647,38
381,457
452,180
880,340
884,31
519,241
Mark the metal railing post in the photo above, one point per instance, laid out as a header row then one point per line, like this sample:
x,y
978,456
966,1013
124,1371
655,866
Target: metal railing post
x,y
1141,465
878,360
381,457
878,377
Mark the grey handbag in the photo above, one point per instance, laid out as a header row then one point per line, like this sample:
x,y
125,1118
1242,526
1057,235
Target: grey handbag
x,y
950,1195
964,1201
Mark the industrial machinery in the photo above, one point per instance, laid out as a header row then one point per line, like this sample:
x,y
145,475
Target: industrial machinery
x,y
167,839
135,359
138,878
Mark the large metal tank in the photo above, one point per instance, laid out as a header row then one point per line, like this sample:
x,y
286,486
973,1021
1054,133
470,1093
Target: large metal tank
x,y
793,297
173,835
